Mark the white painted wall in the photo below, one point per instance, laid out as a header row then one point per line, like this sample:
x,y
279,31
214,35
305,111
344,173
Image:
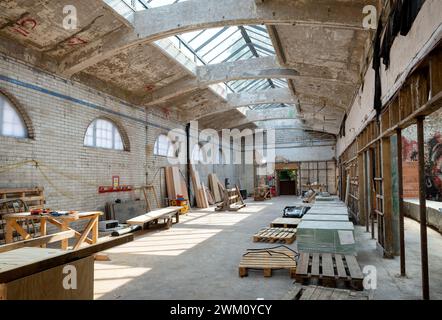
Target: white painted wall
x,y
427,25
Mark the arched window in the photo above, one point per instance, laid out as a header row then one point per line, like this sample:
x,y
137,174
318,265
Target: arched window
x,y
103,133
163,146
11,122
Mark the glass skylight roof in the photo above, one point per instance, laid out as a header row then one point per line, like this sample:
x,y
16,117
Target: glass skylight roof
x,y
218,45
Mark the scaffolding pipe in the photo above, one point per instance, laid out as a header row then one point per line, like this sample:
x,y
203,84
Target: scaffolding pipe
x,y
401,201
423,209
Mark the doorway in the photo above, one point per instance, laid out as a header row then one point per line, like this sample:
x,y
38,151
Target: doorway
x,y
287,182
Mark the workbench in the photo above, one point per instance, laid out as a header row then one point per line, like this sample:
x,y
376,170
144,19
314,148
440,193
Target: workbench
x,y
29,272
62,222
155,215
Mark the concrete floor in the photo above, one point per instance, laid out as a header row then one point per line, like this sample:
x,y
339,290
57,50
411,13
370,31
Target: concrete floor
x,y
198,259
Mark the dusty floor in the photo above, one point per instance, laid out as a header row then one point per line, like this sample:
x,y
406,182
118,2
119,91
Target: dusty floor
x,y
198,259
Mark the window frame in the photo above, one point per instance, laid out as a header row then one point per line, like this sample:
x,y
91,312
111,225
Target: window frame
x,y
5,99
170,153
116,129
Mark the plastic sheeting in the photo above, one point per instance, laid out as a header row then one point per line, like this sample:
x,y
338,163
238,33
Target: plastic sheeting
x,y
326,237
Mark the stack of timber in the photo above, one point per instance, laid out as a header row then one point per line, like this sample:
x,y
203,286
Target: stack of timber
x,y
209,194
199,189
214,187
326,237
232,200
175,183
262,193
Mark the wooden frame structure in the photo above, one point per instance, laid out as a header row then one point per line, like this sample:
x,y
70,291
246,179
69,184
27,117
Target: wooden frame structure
x,y
370,157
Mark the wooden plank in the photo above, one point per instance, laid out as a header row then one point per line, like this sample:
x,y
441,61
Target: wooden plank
x,y
302,268
354,268
315,295
58,258
436,72
326,293
153,215
35,242
327,265
169,183
340,266
85,233
213,184
48,284
315,264
308,292
20,230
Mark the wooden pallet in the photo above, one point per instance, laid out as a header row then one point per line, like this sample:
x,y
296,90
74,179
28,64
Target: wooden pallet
x,y
285,223
283,235
300,292
329,270
267,260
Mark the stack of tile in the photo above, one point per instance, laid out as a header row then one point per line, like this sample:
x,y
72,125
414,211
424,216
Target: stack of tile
x,y
326,237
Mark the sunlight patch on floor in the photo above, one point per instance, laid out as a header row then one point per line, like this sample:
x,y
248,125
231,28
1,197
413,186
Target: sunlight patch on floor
x,y
170,242
221,219
254,208
109,277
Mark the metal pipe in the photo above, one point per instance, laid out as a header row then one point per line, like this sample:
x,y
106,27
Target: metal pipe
x,y
423,208
373,190
188,162
401,200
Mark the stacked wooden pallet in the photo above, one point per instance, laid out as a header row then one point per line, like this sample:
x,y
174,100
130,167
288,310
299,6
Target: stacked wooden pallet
x,y
14,200
285,223
268,260
300,292
214,187
284,235
329,270
199,189
175,183
33,197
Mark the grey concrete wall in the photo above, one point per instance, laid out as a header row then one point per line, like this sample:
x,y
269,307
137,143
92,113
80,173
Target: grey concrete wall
x,y
434,216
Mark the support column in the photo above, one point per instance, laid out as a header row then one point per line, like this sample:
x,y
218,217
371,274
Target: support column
x,y
423,209
372,189
361,189
387,197
401,201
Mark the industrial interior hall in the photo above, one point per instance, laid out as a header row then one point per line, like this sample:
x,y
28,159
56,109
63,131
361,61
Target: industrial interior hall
x,y
221,149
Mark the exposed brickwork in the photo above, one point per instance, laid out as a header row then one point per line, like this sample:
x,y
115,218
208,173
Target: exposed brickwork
x,y
70,171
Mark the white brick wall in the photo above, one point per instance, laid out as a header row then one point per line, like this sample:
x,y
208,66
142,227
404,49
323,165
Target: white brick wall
x,y
74,171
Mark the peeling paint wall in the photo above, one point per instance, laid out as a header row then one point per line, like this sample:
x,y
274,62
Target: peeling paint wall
x,y
403,51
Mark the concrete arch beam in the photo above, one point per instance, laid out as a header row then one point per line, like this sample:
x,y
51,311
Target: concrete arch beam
x,y
157,23
258,68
